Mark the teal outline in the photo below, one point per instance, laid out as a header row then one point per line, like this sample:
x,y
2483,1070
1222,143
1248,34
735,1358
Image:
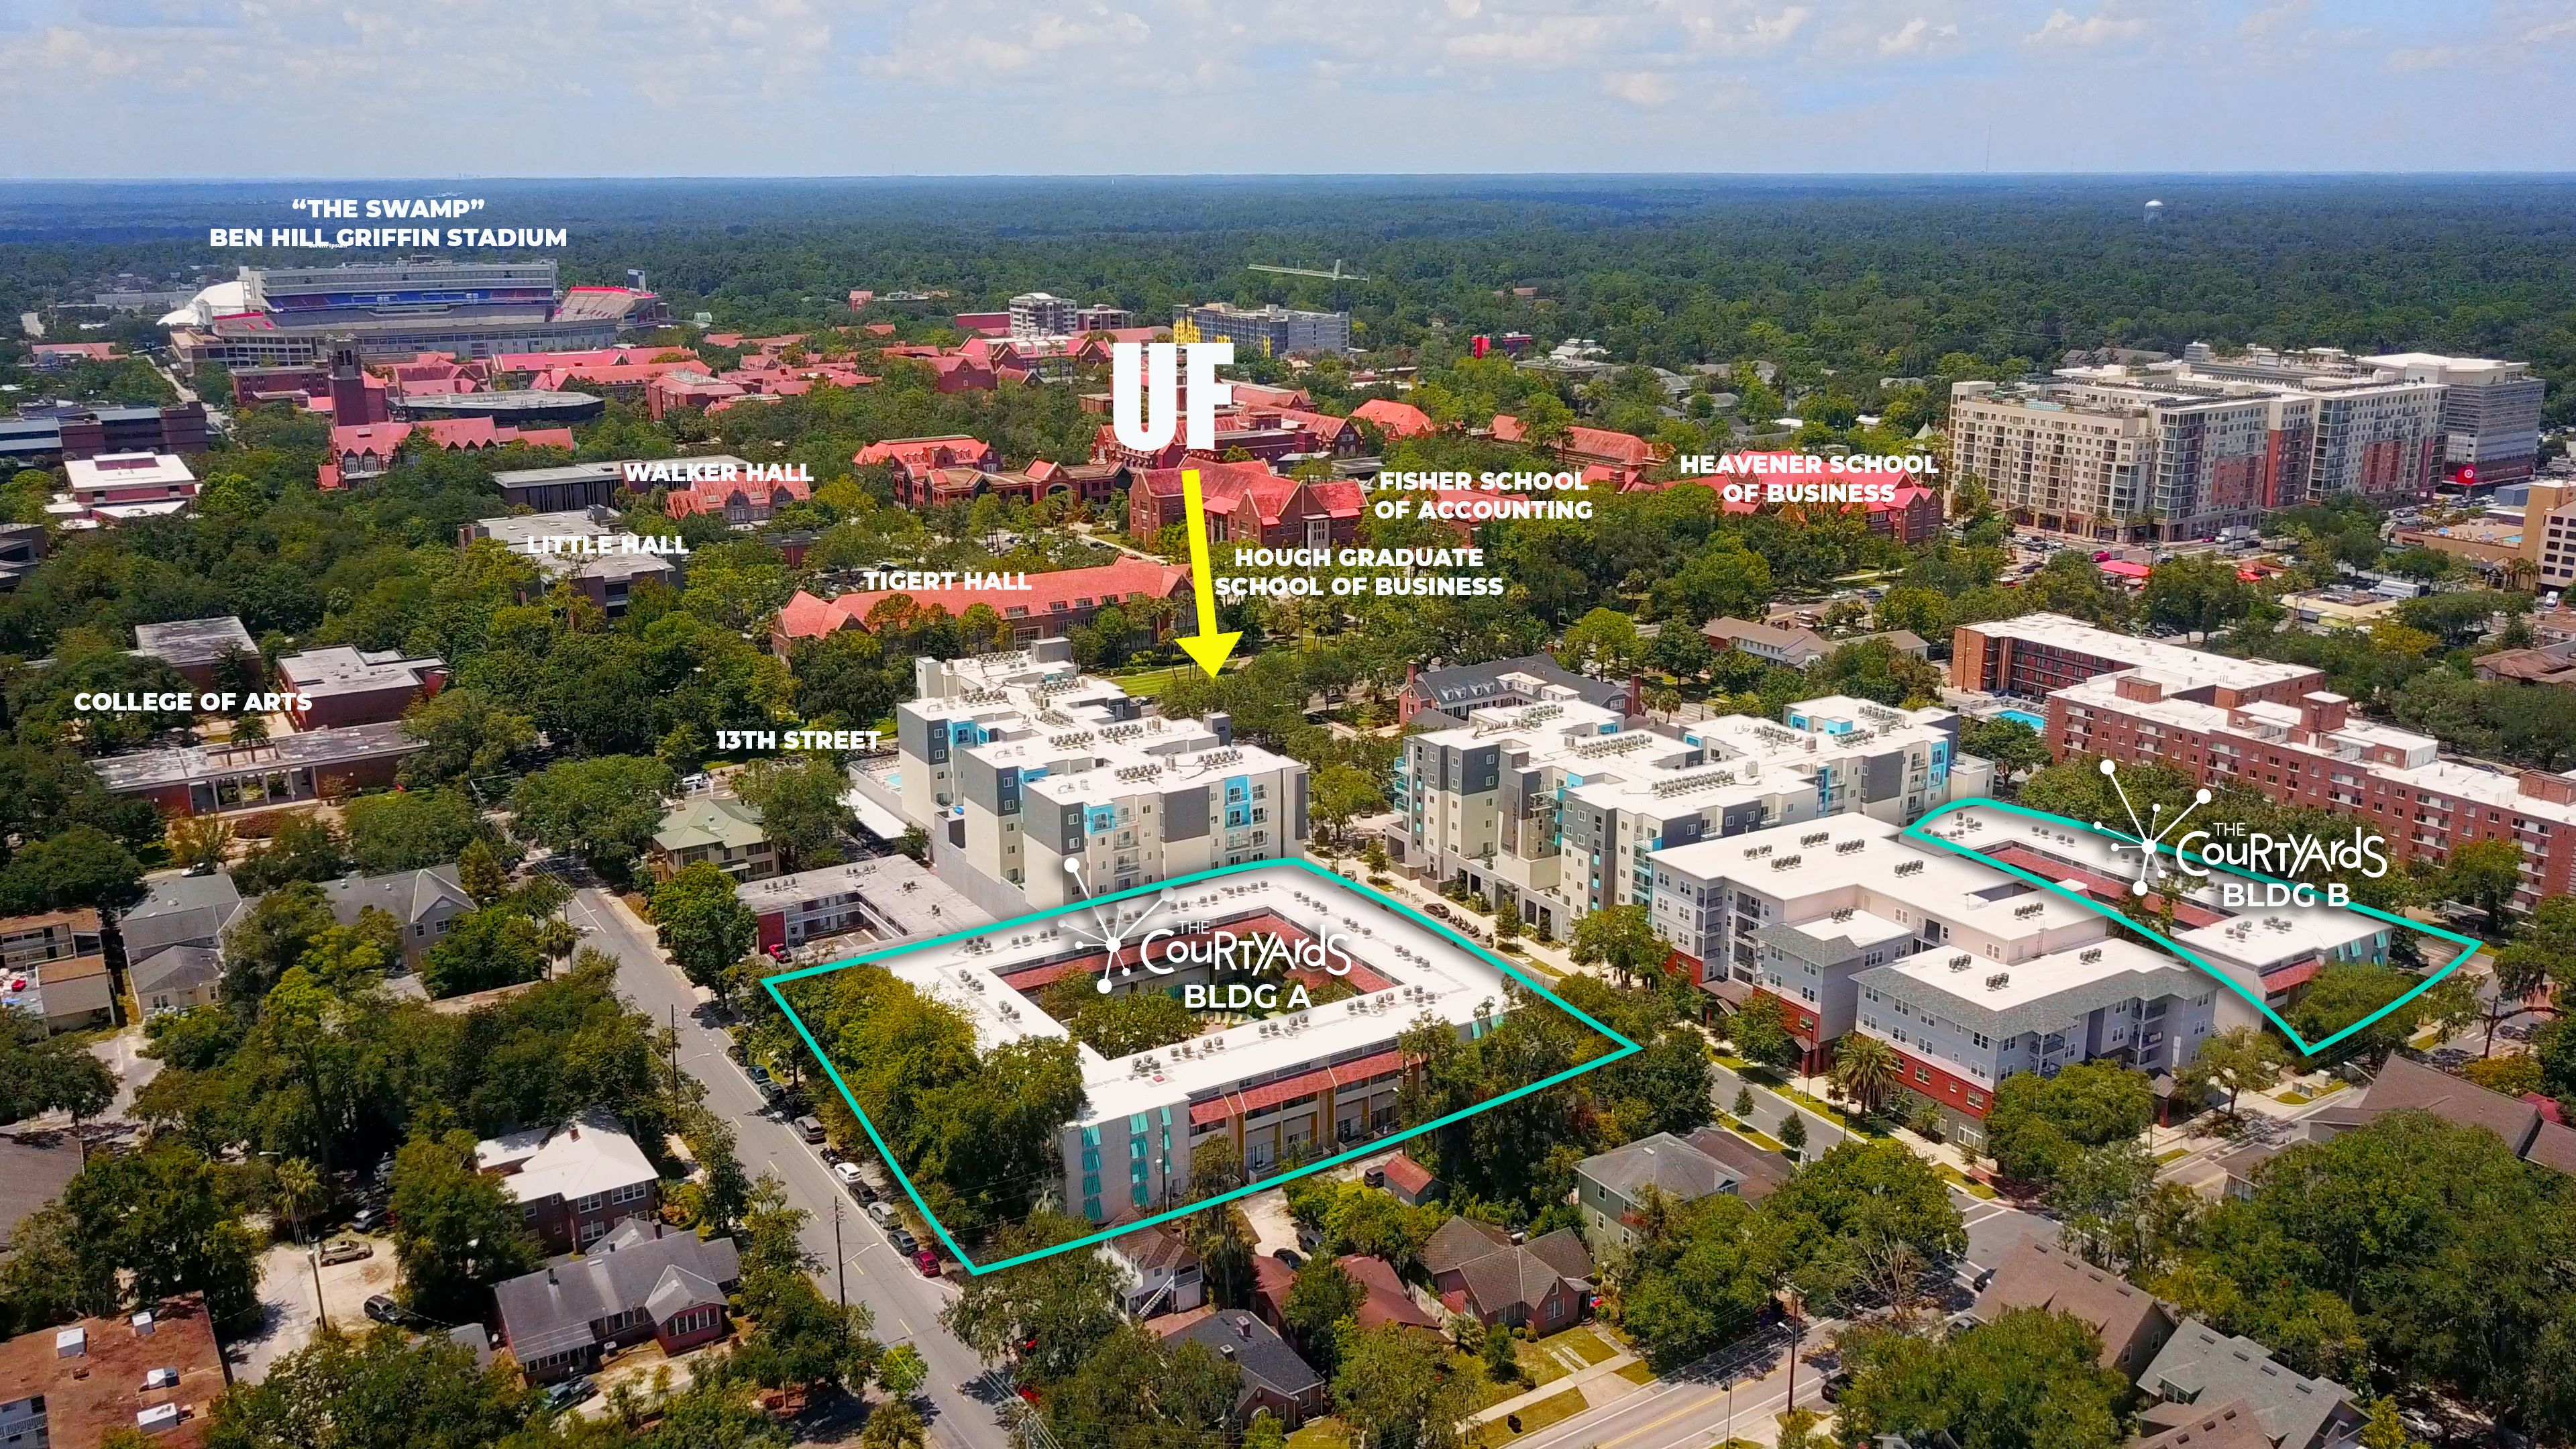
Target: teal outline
x,y
2471,945
1626,1048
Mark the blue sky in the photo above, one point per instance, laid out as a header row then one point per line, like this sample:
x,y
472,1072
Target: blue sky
x,y
262,88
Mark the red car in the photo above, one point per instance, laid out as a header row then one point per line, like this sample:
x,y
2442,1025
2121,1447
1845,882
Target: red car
x,y
928,1262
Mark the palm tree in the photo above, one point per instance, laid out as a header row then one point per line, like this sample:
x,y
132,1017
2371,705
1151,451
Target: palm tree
x,y
1866,1069
298,1186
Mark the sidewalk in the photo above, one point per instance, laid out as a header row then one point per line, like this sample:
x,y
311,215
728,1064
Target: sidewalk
x,y
1600,1382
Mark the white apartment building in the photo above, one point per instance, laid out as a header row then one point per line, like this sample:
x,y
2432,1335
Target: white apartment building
x,y
1017,763
1552,808
1286,1087
2490,409
1970,972
1043,314
2182,449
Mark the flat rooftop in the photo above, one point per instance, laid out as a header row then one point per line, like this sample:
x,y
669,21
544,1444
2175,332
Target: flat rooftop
x,y
323,673
2187,668
194,641
154,769
1430,973
893,888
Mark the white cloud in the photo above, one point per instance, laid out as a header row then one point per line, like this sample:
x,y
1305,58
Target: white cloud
x,y
2063,29
1729,28
1915,37
1642,87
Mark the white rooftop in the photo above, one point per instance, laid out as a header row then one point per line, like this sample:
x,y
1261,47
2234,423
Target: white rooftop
x,y
580,1158
2181,668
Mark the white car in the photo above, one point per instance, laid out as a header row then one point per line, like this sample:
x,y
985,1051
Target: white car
x,y
848,1173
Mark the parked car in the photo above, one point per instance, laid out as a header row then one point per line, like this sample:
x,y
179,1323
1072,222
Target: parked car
x,y
760,1077
383,1309
848,1173
347,1250
883,1216
365,1219
1289,1256
810,1128
904,1242
928,1262
571,1391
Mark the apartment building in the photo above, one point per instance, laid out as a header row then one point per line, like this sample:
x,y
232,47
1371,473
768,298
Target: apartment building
x,y
574,1182
885,896
53,967
2035,655
1043,314
2179,450
2490,414
1272,331
1551,808
1040,784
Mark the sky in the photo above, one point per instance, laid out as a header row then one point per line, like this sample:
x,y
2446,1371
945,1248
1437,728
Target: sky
x,y
360,88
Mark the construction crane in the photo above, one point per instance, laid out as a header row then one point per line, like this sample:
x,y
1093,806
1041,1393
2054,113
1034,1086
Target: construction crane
x,y
1336,276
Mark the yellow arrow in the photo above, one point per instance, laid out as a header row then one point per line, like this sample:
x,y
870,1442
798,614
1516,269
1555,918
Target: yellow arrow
x,y
1208,647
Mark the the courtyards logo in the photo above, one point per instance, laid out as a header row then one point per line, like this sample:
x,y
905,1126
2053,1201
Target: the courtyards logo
x,y
2235,846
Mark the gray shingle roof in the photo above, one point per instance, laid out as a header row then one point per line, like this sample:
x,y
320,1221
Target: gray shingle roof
x,y
191,910
1496,1281
551,1310
1563,1251
1460,1241
176,968
406,895
2035,1275
1757,1173
1264,1356
1663,1161
2201,1365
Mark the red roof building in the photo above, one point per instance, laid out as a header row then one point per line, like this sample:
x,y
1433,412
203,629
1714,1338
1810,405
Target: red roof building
x,y
1626,456
679,389
1248,503
991,324
1053,604
1395,419
738,503
910,460
368,449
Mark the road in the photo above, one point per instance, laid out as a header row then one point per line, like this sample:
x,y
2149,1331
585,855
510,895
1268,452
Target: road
x,y
1739,1389
962,1400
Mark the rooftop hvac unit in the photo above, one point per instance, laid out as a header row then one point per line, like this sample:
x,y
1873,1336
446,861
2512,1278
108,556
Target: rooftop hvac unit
x,y
1818,837
1788,862
2024,913
1962,961
2090,956
1848,846
1845,914
1909,867
1998,981
157,1418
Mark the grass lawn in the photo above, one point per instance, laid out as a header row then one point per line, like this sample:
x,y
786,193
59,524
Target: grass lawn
x,y
2174,1155
1637,1373
1817,1105
1324,1433
1763,1140
1150,683
1579,1340
1966,1184
1550,1410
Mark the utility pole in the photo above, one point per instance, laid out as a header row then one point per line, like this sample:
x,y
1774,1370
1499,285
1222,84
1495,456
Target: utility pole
x,y
840,1269
675,1052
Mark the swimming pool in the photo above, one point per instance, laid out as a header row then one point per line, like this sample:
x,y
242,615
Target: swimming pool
x,y
2038,722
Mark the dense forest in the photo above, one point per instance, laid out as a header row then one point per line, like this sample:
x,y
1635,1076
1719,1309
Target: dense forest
x,y
1866,277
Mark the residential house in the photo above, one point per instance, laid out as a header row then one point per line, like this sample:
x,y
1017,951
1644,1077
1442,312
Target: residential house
x,y
1757,1173
176,978
1452,693
727,833
1274,1377
1411,1183
156,1373
53,967
189,910
643,1280
2405,1085
2200,1371
1795,646
424,903
2232,1425
573,1183
1478,1270
1157,1271
1610,1187
1383,1297
2132,1323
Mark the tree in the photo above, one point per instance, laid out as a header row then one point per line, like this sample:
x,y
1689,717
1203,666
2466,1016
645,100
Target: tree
x,y
2037,1123
1867,1069
1762,1035
2484,874
702,923
373,1390
2520,970
1724,580
2197,593
603,809
456,1230
1322,1296
1622,938
269,938
2010,745
1697,1277
1340,793
1044,1318
160,1219
467,738
2030,1379
556,940
901,1371
483,950
1793,1132
479,871
41,1073
2348,992
800,800
2240,1057
1393,1386
894,1424
1544,418
1743,1105
1601,642
82,866
1266,1432
200,842
414,829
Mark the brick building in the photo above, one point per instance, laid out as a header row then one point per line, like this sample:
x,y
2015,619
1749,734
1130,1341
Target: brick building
x,y
575,1182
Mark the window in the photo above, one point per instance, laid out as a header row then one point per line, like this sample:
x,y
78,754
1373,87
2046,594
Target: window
x,y
632,1192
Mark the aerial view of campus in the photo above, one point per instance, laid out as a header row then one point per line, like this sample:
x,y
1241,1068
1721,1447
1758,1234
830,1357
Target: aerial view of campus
x,y
1513,724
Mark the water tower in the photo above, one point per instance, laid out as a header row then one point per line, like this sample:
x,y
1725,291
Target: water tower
x,y
2155,212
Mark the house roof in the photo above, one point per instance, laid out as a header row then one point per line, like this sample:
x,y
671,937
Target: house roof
x,y
701,823
406,895
2405,1084
2035,1275
188,909
1499,1280
2231,1425
176,968
1154,1249
30,1177
1463,686
2201,1365
1460,1241
637,1265
576,1160
1563,1251
1047,594
1663,1161
1757,1173
1383,1299
1405,1173
1264,1356
1627,448
1395,419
